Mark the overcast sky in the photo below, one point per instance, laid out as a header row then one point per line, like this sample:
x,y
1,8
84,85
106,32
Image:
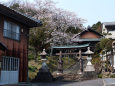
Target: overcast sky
x,y
91,10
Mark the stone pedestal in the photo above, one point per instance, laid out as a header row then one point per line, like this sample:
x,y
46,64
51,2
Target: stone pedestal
x,y
43,76
60,67
90,74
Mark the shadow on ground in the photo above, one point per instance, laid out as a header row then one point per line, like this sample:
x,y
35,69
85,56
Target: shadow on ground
x,y
96,82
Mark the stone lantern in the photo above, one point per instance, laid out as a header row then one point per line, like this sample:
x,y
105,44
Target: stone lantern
x,y
43,58
89,66
44,74
89,70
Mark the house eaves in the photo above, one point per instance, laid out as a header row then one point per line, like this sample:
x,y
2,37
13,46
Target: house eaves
x,y
18,16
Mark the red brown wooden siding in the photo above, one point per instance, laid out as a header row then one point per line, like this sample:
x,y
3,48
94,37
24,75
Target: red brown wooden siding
x,y
16,48
89,35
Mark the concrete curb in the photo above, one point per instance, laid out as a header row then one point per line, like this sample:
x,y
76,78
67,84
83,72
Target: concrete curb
x,y
109,82
104,84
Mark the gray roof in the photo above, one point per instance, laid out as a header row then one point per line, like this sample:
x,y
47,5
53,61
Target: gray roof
x,y
70,46
20,17
109,23
87,39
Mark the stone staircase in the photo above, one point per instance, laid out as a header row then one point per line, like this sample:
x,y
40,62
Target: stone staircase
x,y
71,73
73,77
72,69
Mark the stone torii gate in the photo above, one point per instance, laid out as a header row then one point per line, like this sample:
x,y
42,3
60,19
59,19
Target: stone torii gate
x,y
60,62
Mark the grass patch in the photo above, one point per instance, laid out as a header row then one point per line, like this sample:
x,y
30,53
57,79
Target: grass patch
x,y
52,63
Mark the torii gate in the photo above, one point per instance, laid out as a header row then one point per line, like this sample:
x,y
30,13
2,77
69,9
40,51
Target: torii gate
x,y
60,62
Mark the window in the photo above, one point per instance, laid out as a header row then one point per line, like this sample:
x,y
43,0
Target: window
x,y
11,30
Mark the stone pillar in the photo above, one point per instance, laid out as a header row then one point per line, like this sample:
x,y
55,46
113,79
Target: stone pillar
x,y
113,59
113,62
60,64
80,62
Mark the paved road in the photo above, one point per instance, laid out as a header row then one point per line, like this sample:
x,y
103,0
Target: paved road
x,y
97,82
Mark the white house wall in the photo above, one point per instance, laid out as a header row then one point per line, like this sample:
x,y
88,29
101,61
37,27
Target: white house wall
x,y
104,29
111,34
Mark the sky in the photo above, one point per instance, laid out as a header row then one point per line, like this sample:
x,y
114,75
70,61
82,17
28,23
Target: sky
x,y
91,10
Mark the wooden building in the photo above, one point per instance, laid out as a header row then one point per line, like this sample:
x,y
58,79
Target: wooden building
x,y
87,36
81,40
108,29
14,36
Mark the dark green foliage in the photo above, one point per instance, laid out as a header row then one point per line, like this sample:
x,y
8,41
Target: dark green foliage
x,y
15,6
97,48
52,63
97,26
30,57
32,68
106,44
29,11
73,30
100,76
38,38
103,43
112,76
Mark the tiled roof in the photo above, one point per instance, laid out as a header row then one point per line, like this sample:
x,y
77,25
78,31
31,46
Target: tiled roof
x,y
81,40
108,23
76,36
70,46
18,16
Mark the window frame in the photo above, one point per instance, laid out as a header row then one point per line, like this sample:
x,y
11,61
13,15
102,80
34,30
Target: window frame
x,y
11,32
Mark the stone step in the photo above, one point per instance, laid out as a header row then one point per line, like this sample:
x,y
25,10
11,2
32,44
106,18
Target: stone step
x,y
72,76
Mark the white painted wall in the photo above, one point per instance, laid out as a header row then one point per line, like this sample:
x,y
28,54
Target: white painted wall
x,y
104,30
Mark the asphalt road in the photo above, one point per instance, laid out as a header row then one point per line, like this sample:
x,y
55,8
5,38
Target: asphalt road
x,y
97,82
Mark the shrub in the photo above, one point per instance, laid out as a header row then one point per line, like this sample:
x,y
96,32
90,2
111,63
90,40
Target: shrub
x,y
100,76
112,76
30,57
32,68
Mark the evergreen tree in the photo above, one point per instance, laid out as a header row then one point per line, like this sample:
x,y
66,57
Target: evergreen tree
x,y
97,27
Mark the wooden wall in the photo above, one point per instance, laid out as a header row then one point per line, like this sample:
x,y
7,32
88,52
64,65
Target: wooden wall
x,y
17,49
89,35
